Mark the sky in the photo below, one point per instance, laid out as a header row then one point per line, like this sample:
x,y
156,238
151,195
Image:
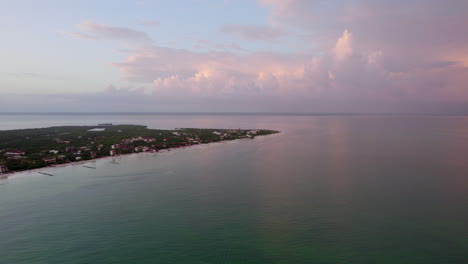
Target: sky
x,y
352,56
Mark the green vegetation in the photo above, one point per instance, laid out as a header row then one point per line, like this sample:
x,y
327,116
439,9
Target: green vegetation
x,y
34,148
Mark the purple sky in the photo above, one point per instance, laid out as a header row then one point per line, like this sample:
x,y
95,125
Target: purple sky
x,y
235,56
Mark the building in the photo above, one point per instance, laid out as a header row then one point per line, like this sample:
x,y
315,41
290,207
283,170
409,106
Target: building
x,y
54,151
15,153
49,160
126,147
69,149
3,169
253,132
115,146
112,152
149,139
141,149
137,139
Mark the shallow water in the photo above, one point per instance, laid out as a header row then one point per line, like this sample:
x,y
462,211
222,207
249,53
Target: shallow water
x,y
328,189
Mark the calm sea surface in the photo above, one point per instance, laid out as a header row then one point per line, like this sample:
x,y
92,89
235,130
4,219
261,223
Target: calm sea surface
x,y
329,189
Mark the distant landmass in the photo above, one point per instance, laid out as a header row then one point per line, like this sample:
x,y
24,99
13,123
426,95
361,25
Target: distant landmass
x,y
25,149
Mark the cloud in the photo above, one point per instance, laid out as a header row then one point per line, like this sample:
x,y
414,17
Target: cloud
x,y
95,31
370,55
415,49
211,73
416,30
344,75
343,48
253,32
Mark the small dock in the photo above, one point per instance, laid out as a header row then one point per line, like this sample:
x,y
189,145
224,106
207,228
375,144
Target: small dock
x,y
89,167
43,173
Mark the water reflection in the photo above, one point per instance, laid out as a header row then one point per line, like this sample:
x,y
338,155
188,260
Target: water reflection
x,y
336,147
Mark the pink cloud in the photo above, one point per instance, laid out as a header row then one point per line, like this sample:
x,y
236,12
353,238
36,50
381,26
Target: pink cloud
x,y
402,42
419,30
369,53
343,48
186,72
344,74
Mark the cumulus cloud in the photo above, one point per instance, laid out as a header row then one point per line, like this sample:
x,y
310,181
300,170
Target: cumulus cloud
x,y
370,53
212,73
414,51
344,74
415,30
253,32
95,31
343,48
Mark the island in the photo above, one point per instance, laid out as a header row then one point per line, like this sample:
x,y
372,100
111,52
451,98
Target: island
x,y
26,149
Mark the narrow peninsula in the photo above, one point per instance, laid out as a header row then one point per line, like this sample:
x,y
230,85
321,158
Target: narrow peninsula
x,y
25,149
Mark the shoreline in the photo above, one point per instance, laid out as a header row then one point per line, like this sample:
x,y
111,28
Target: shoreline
x,y
5,176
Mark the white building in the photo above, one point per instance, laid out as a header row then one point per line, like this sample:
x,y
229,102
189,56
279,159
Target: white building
x,y
15,153
115,146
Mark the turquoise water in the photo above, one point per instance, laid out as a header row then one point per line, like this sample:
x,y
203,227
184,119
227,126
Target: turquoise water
x,y
329,189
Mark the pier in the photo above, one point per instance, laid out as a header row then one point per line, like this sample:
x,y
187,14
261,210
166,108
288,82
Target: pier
x,y
43,173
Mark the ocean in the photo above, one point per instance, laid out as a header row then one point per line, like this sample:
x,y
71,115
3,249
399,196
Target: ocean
x,y
328,189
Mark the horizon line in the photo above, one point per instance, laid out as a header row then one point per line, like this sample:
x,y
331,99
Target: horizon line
x,y
239,113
